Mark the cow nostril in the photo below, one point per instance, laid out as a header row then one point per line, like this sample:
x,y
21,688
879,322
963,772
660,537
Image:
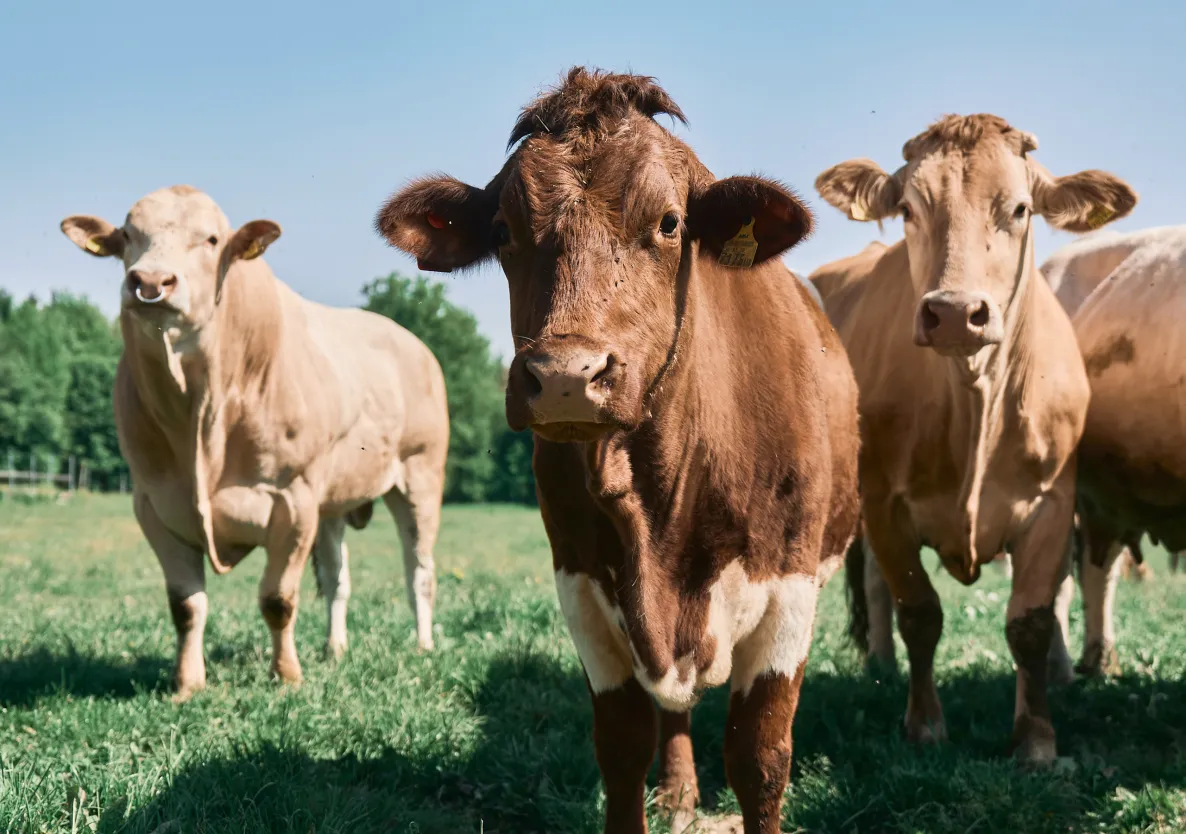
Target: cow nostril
x,y
134,280
607,369
979,316
930,319
170,281
532,386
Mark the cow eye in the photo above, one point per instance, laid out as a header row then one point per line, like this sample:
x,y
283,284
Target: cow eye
x,y
1019,212
669,224
500,235
212,240
904,209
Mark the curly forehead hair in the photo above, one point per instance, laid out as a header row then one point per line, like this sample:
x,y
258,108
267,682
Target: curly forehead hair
x,y
592,101
962,134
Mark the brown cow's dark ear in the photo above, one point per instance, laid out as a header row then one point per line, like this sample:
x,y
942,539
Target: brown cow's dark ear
x,y
445,224
251,240
94,235
861,189
747,220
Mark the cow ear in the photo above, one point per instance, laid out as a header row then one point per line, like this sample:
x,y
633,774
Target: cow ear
x,y
251,240
445,224
1081,202
861,189
94,235
746,220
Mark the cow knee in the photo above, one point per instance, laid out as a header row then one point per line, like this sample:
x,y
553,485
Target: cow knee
x,y
1029,636
921,626
277,611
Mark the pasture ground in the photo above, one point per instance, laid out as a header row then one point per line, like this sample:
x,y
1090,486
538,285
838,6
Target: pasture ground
x,y
491,733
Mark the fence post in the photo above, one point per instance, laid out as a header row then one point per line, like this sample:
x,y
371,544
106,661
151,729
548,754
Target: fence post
x,y
32,479
11,470
70,480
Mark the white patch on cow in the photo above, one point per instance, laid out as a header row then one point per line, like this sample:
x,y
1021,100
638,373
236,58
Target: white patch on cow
x,y
759,628
592,623
779,645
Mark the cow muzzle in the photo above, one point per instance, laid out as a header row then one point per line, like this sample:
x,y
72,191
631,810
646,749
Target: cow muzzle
x,y
561,389
150,287
957,323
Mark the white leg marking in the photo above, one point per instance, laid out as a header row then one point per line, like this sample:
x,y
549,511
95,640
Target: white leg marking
x,y
601,645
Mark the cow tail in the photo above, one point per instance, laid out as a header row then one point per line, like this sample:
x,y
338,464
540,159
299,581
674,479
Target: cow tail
x,y
858,603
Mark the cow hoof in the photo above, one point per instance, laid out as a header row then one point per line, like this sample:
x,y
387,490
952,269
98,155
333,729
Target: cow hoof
x,y
881,668
926,732
1036,753
1098,661
334,651
185,691
679,798
425,644
288,674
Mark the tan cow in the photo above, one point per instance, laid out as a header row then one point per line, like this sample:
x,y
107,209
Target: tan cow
x,y
695,421
1132,459
251,417
973,394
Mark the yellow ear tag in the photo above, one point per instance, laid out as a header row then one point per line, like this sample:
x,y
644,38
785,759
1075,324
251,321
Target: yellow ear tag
x,y
253,251
857,212
93,245
740,250
1099,216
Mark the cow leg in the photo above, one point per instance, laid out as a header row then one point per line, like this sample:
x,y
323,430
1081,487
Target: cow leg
x,y
1058,661
418,516
1041,564
679,790
292,530
1175,556
881,616
623,714
920,620
185,585
758,747
332,561
1099,570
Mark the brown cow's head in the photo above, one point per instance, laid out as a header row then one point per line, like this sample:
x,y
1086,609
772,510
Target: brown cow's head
x,y
966,195
595,218
177,247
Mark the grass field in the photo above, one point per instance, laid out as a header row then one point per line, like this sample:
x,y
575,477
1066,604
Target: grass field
x,y
491,732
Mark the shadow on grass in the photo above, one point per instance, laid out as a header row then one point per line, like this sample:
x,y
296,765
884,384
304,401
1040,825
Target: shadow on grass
x,y
534,769
28,678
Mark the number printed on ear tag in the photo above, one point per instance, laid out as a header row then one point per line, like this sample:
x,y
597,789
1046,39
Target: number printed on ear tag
x,y
739,251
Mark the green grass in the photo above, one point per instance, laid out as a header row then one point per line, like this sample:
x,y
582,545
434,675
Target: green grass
x,y
491,732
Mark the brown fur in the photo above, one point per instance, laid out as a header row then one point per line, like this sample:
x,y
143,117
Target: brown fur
x,y
728,434
969,450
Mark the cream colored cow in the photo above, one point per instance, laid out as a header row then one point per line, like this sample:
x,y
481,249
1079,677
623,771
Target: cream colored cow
x,y
250,417
1132,459
972,391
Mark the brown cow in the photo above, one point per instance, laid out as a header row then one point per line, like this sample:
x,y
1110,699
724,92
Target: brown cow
x,y
251,417
968,444
696,436
1132,459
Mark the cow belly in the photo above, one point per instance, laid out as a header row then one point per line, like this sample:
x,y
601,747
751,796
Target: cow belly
x,y
754,629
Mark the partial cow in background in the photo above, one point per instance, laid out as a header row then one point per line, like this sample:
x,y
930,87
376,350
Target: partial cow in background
x,y
250,417
1132,459
967,444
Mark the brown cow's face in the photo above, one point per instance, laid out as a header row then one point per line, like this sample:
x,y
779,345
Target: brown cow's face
x,y
176,246
966,195
593,263
596,234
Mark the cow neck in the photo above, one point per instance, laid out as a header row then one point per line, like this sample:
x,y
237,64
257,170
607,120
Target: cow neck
x,y
184,385
983,381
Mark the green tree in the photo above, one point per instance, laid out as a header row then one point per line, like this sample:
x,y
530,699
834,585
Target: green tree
x,y
473,377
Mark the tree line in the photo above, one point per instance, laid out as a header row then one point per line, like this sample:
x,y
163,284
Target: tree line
x,y
57,370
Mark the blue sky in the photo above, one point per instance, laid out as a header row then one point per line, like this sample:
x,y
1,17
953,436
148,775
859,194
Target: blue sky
x,y
312,113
